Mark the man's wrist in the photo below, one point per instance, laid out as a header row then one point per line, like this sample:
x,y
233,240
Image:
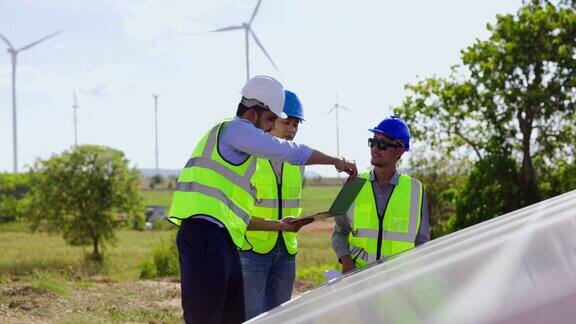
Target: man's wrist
x,y
339,163
345,258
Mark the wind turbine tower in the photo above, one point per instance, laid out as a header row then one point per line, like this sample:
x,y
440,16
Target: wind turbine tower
x,y
155,96
75,107
248,31
336,108
14,53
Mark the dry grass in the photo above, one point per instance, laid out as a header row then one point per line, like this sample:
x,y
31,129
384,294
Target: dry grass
x,y
42,279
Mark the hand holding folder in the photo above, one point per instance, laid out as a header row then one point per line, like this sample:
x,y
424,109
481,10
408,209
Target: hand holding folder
x,y
298,222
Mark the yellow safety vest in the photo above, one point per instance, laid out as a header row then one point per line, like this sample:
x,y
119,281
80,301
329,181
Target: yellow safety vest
x,y
209,185
275,201
374,237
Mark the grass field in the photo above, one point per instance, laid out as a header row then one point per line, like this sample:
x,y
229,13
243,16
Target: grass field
x,y
157,197
315,253
314,199
25,253
41,277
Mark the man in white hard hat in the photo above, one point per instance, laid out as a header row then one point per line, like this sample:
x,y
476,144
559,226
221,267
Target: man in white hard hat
x,y
269,258
214,198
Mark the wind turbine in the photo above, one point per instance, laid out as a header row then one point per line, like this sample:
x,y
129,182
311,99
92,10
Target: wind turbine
x,y
247,32
155,96
336,108
75,107
14,53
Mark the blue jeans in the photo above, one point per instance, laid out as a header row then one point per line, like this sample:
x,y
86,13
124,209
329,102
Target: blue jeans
x,y
268,278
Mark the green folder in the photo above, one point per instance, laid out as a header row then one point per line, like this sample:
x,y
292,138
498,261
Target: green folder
x,y
346,196
343,201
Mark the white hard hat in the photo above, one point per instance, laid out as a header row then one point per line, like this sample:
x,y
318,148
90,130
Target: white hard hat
x,y
267,91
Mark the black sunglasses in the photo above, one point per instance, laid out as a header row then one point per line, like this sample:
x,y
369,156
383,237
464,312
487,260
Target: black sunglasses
x,y
382,145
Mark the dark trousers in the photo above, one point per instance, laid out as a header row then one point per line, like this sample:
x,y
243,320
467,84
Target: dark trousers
x,y
210,274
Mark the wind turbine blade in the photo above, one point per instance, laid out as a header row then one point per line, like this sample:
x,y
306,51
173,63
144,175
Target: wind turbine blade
x,y
329,111
6,41
75,101
340,106
262,48
229,28
40,40
255,12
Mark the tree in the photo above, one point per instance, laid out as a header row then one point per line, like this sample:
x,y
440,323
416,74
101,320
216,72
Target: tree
x,y
172,180
84,194
156,180
13,190
510,107
442,178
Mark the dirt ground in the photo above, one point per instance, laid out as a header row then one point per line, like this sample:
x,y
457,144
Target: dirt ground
x,y
102,300
99,301
319,226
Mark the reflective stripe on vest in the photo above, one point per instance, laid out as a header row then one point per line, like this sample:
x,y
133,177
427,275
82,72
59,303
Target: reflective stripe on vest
x,y
273,203
267,204
399,225
373,234
214,193
209,185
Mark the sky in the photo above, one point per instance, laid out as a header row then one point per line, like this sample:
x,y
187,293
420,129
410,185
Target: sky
x,y
115,54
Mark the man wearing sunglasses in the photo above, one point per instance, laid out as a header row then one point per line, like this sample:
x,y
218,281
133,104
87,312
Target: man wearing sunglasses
x,y
389,215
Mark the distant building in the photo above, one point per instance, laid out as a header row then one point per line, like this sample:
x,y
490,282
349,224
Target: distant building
x,y
153,214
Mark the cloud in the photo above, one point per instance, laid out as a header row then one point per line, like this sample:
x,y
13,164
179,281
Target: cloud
x,y
102,81
167,28
5,74
98,91
146,21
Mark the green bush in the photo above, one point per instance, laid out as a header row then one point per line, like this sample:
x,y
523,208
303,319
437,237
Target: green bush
x,y
163,262
13,191
137,221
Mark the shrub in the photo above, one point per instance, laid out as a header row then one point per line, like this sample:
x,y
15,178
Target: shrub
x,y
13,191
163,262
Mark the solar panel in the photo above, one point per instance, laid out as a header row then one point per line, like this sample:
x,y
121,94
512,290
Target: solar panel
x,y
516,268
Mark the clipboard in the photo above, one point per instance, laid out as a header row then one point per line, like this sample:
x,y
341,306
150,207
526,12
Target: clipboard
x,y
343,201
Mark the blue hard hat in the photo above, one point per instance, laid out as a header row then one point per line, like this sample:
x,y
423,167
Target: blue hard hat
x,y
292,105
395,128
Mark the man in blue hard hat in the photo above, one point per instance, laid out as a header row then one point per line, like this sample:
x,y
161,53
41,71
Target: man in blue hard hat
x,y
390,214
269,258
